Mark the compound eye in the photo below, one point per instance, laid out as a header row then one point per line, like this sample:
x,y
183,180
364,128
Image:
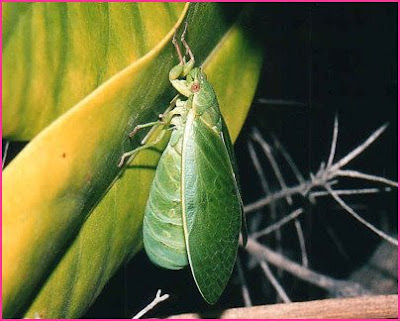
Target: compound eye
x,y
195,87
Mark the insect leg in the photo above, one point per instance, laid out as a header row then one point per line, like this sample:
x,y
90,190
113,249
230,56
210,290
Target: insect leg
x,y
152,130
139,127
183,68
131,154
189,65
178,50
185,44
164,122
177,70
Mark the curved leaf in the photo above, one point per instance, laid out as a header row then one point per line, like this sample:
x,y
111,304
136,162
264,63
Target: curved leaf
x,y
234,68
44,69
57,258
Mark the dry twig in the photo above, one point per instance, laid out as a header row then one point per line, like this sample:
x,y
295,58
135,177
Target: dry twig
x,y
302,242
366,307
383,235
267,151
289,160
5,154
359,191
336,287
275,283
158,299
245,288
278,225
267,191
324,178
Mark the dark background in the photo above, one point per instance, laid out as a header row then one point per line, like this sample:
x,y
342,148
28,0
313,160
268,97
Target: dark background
x,y
321,60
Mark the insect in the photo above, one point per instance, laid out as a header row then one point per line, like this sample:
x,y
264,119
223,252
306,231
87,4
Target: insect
x,y
194,212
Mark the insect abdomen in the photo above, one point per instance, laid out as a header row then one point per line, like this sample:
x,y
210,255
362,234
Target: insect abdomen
x,y
163,234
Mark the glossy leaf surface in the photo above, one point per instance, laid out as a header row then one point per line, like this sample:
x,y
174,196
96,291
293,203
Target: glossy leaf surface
x,y
55,54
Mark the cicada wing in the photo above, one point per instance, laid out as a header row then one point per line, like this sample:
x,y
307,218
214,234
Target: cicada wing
x,y
163,235
211,208
229,147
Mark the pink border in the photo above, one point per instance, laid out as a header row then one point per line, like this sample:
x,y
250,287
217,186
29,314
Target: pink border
x,y
398,115
398,137
1,126
204,1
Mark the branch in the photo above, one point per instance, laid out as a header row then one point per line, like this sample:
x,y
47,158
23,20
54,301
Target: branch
x,y
325,178
325,175
267,151
367,177
279,224
334,142
365,307
274,282
302,242
4,156
159,298
258,167
266,190
357,151
336,287
383,235
372,190
289,160
245,289
299,189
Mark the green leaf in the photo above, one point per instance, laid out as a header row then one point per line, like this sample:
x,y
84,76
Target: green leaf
x,y
55,54
70,219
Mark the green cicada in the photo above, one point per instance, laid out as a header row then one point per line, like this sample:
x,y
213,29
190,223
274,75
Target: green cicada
x,y
194,212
